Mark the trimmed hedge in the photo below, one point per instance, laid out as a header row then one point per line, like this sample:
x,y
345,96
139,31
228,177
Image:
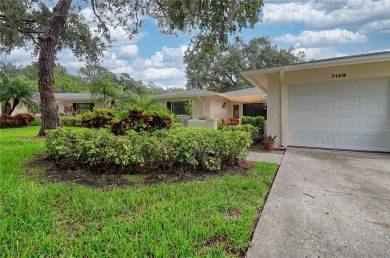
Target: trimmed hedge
x,y
257,121
70,121
19,120
252,130
164,149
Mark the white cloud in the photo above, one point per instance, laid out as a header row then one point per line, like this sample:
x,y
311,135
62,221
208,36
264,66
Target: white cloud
x,y
320,53
376,27
322,38
163,73
123,69
129,50
166,57
318,14
19,56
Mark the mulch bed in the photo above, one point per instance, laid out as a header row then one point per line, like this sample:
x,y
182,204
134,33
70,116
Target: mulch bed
x,y
106,177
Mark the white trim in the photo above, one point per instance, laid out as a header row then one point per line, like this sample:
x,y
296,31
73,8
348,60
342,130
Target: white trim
x,y
369,58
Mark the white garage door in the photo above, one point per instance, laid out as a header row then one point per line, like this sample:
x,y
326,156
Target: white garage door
x,y
353,115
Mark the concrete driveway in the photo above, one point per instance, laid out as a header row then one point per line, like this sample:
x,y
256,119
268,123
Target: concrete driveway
x,y
327,203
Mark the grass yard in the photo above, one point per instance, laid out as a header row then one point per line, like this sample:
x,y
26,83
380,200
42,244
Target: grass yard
x,y
213,217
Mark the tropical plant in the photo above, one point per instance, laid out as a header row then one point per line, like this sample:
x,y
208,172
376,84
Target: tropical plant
x,y
18,91
19,120
188,108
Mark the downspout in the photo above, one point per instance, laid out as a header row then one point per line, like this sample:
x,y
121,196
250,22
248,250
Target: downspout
x,y
283,111
202,105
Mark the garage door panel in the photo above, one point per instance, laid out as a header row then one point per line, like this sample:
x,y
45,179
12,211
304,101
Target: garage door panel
x,y
349,105
302,139
324,90
347,141
351,88
377,104
326,105
377,123
323,140
375,141
349,115
300,123
375,88
323,122
301,91
302,106
350,123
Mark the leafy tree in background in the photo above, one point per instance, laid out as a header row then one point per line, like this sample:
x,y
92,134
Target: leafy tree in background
x,y
53,25
220,71
101,82
129,84
66,82
21,92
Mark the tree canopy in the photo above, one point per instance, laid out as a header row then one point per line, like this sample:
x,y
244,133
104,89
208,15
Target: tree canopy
x,y
52,25
220,71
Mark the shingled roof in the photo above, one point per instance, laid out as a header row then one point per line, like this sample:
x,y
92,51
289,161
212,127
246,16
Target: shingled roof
x,y
75,96
186,93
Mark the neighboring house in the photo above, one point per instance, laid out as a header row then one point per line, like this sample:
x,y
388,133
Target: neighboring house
x,y
79,101
338,103
247,102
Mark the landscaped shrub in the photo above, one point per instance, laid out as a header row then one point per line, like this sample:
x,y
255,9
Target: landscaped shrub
x,y
136,119
19,120
98,118
139,119
70,121
252,130
257,121
164,149
36,123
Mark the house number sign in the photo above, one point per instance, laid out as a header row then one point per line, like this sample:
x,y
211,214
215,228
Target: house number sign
x,y
338,75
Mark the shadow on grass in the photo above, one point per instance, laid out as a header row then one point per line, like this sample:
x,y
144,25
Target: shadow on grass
x,y
107,177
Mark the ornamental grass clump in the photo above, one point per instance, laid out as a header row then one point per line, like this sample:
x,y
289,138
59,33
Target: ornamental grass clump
x,y
198,148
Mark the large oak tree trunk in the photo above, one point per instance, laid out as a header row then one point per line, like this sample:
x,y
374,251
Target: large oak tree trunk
x,y
48,43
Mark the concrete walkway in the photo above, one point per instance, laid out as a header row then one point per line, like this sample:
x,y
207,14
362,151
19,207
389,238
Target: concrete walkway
x,y
263,156
326,203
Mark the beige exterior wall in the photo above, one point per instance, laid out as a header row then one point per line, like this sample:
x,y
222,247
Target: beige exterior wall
x,y
278,83
61,104
216,109
19,109
210,106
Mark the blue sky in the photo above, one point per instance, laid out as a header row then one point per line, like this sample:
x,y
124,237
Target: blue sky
x,y
321,29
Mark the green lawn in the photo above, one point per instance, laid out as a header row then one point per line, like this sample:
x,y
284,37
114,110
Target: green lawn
x,y
213,217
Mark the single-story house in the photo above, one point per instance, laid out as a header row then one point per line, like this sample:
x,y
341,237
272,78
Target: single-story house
x,y
246,102
79,101
337,103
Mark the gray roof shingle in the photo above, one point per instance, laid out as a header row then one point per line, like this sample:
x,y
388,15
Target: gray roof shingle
x,y
186,93
75,96
244,92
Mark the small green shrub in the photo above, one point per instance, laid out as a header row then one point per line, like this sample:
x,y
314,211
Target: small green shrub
x,y
257,121
252,130
179,147
19,120
36,123
70,121
177,125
